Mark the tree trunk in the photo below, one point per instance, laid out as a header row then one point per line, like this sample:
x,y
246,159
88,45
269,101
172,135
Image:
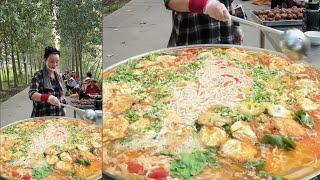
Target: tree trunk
x,y
69,59
30,61
19,63
3,72
72,58
14,68
80,58
76,56
96,69
35,63
1,88
7,63
25,60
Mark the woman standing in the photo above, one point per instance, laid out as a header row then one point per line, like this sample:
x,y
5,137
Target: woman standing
x,y
46,90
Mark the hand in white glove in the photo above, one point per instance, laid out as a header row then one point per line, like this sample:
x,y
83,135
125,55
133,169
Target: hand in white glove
x,y
217,10
238,35
54,100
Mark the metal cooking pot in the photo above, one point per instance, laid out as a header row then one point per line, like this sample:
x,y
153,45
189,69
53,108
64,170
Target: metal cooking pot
x,y
94,177
312,173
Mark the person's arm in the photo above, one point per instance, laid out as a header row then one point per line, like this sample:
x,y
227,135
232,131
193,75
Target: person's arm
x,y
36,97
179,5
213,8
98,90
34,94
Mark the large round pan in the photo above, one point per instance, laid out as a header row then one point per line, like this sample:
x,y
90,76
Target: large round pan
x,y
194,46
311,173
92,177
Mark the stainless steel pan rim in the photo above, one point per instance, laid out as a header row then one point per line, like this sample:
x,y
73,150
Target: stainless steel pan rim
x,y
195,46
43,117
111,176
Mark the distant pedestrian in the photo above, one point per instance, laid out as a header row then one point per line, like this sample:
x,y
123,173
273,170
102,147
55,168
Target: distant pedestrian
x,y
46,89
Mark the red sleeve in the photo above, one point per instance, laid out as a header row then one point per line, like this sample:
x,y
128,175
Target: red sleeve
x,y
88,90
94,89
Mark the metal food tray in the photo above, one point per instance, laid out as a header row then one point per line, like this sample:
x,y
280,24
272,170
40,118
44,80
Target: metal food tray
x,y
92,177
312,173
276,23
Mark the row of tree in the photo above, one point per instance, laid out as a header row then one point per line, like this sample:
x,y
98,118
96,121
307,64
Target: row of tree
x,y
28,26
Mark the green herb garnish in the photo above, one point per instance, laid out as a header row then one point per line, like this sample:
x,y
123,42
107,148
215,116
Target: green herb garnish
x,y
84,162
304,118
132,116
94,151
281,142
41,173
189,165
257,165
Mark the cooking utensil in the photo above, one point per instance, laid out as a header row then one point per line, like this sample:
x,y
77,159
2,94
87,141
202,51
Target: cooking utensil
x,y
293,42
88,114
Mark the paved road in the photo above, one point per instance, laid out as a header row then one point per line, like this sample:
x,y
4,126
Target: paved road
x,y
19,107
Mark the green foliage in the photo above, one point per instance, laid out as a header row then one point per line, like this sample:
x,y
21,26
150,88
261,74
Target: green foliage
x,y
31,25
79,25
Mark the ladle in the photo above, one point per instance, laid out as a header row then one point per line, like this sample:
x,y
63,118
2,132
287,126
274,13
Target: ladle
x,y
293,42
88,114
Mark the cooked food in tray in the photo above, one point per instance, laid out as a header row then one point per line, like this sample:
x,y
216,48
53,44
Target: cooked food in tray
x,y
82,102
50,148
211,113
293,13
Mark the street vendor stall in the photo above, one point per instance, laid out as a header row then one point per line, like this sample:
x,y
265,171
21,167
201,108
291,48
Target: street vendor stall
x,y
278,19
94,103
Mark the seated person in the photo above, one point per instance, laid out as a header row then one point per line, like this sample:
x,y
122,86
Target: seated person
x,y
71,83
83,87
92,88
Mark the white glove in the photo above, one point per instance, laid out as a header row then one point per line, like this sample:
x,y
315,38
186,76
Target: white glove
x,y
217,10
238,35
54,100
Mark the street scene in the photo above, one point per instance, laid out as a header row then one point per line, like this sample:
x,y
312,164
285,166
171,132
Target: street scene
x,y
22,53
206,110
160,89
145,25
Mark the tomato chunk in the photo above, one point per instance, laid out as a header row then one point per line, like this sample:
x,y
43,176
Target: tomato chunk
x,y
135,168
158,173
15,173
26,176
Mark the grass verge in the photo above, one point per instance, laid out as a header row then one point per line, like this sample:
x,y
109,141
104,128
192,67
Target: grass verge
x,y
112,6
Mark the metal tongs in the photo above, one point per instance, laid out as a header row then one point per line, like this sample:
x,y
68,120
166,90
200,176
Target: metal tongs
x,y
293,42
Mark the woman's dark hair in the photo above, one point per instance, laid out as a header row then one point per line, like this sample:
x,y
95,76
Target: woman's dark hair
x,y
50,50
89,74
